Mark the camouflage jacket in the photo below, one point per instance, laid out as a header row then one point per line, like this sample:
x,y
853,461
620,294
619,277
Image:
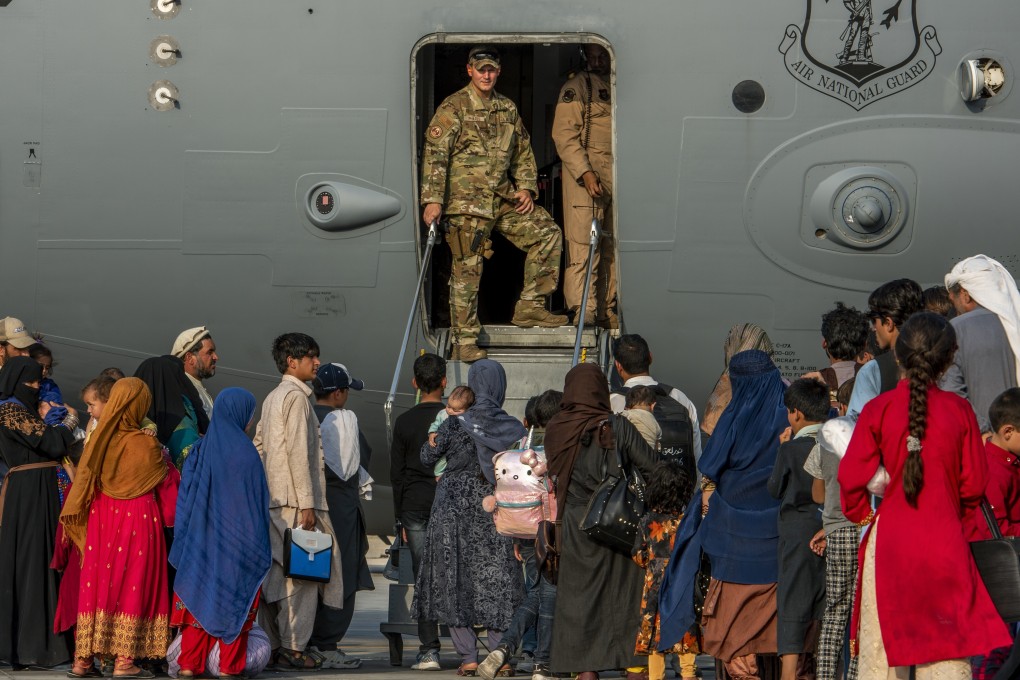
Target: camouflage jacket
x,y
477,154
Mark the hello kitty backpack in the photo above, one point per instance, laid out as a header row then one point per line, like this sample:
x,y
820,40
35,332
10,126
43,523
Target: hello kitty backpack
x,y
524,496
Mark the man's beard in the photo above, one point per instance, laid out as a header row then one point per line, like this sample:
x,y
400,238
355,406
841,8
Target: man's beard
x,y
205,372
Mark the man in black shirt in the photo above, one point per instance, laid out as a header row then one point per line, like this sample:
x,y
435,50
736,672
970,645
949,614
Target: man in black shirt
x,y
414,484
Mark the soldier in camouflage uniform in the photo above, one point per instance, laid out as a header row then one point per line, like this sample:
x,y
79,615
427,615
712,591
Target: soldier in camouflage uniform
x,y
583,134
479,169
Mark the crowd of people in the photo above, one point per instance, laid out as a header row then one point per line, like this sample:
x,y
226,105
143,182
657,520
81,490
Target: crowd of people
x,y
156,530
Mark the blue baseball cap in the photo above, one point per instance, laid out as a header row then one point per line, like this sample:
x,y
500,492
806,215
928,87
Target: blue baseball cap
x,y
333,377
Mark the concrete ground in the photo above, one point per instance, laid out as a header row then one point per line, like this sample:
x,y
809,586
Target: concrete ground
x,y
363,640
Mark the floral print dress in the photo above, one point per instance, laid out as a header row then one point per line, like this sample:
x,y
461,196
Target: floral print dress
x,y
468,574
652,550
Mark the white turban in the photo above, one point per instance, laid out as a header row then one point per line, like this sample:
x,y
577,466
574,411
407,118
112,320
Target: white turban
x,y
993,288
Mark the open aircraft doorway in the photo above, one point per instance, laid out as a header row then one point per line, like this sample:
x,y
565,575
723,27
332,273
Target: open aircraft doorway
x,y
533,71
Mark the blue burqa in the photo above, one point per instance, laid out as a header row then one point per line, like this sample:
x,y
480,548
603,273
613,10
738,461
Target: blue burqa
x,y
740,534
221,540
493,429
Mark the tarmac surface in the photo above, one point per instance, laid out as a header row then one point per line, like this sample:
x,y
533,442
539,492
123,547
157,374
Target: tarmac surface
x,y
363,640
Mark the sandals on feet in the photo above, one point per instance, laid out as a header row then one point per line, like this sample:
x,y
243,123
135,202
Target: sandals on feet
x,y
467,670
91,672
288,659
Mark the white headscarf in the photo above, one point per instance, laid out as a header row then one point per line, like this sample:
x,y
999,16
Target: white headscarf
x,y
340,446
836,433
993,288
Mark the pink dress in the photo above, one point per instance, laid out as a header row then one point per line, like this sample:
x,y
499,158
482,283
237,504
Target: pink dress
x,y
124,596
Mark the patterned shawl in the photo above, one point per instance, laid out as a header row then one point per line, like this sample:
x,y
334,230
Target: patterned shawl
x,y
741,337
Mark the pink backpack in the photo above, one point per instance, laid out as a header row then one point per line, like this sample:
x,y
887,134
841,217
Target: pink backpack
x,y
523,497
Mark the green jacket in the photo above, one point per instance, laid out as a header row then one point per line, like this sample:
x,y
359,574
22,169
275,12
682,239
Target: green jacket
x,y
477,154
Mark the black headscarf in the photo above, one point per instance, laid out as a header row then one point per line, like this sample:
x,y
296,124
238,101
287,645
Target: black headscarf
x,y
168,383
585,404
16,372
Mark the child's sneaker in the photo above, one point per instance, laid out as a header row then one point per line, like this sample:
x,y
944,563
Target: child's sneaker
x,y
427,661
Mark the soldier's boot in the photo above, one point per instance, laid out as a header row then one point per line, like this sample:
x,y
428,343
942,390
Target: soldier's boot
x,y
467,353
531,313
589,316
608,321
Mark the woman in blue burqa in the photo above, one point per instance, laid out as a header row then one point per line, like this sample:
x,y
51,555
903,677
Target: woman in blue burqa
x,y
734,521
221,544
468,575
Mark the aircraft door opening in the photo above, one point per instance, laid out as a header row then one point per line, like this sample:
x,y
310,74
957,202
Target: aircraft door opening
x,y
533,72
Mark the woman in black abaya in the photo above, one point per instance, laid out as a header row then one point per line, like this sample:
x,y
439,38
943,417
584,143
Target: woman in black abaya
x,y
32,447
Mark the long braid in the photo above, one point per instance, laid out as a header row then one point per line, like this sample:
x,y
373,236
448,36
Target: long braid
x,y
924,348
919,374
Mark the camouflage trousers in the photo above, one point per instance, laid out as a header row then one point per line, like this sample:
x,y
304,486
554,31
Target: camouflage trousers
x,y
536,234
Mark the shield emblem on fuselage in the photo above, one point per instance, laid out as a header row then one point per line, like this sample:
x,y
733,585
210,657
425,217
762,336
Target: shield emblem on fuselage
x,y
861,39
860,51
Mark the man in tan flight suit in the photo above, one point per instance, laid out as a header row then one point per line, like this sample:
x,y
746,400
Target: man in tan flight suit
x,y
478,168
583,134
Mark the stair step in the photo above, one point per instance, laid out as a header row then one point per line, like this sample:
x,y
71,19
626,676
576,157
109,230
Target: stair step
x,y
512,336
526,375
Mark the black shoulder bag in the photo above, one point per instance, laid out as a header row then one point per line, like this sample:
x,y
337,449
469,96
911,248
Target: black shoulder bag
x,y
999,565
615,509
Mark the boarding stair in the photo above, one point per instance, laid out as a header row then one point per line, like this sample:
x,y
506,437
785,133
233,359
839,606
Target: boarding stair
x,y
535,360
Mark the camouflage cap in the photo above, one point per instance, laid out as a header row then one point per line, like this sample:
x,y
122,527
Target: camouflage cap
x,y
483,55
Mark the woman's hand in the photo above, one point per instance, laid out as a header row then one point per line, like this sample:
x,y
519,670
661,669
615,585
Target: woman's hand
x,y
705,495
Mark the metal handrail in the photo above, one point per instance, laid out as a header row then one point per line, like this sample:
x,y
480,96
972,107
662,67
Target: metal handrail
x,y
593,243
426,258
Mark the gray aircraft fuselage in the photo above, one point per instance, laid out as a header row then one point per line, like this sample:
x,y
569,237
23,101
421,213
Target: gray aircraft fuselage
x,y
160,165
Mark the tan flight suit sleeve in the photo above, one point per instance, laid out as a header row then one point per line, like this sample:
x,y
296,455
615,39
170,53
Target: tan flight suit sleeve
x,y
440,138
523,168
568,125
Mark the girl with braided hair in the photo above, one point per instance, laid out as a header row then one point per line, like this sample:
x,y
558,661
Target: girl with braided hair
x,y
920,600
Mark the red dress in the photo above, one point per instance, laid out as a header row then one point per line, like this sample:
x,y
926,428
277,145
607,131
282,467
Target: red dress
x,y
932,604
1002,492
123,596
196,643
67,560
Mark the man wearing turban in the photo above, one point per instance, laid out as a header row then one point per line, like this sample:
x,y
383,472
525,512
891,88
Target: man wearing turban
x,y
987,362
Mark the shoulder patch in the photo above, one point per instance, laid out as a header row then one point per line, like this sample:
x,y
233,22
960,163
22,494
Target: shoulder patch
x,y
568,95
442,123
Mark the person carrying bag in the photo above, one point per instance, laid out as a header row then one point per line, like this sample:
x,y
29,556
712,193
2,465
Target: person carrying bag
x,y
615,509
999,565
592,632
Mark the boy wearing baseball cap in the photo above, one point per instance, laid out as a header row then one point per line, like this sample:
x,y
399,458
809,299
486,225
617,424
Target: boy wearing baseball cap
x,y
346,454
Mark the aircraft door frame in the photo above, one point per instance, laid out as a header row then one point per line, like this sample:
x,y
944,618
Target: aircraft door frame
x,y
423,101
